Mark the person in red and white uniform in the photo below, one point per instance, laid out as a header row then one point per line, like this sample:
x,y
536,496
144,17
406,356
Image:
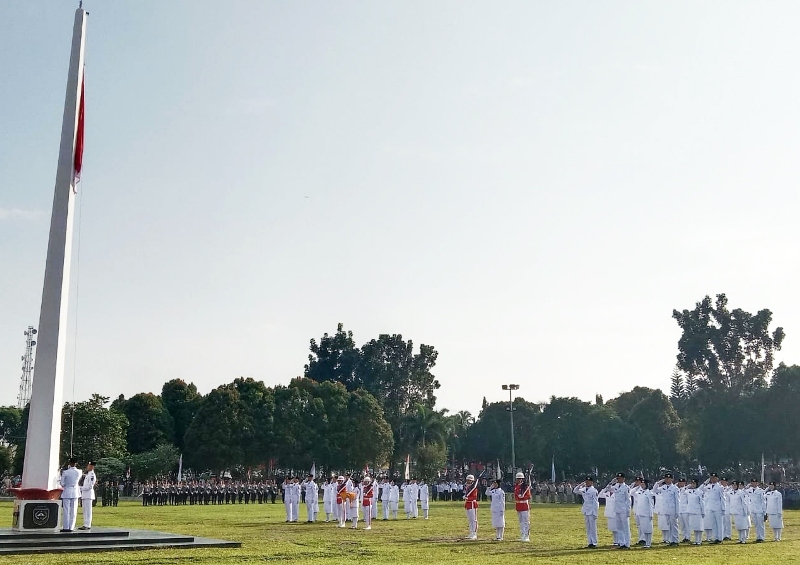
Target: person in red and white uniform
x,y
522,502
471,506
341,501
367,495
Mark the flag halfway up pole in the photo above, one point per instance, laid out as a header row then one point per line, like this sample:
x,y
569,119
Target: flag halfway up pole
x,y
407,475
314,470
553,469
762,469
498,474
180,468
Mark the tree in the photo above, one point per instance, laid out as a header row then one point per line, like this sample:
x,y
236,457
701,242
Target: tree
x,y
97,431
423,424
335,358
181,401
726,350
10,425
149,423
397,377
431,458
489,438
6,461
155,462
677,391
255,420
109,469
213,440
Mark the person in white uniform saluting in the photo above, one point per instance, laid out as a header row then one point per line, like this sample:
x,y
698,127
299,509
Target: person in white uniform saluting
x,y
775,510
590,507
87,483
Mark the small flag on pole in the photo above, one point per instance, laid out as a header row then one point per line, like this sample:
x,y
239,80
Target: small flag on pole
x,y
407,475
314,470
553,469
128,472
180,468
762,469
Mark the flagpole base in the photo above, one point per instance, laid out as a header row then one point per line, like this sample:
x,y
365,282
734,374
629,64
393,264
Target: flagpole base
x,y
36,515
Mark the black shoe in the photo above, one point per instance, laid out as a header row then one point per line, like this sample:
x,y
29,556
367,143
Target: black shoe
x,y
640,542
623,547
717,541
759,541
591,546
674,543
63,531
726,539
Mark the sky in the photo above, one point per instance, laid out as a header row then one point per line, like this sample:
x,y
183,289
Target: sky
x,y
530,187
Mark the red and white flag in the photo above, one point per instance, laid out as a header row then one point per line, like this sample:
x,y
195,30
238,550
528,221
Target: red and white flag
x,y
77,164
407,475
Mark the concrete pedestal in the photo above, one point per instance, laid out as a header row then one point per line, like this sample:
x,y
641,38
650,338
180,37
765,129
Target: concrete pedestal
x,y
36,515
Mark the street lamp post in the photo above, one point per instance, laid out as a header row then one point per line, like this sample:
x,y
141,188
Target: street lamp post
x,y
511,389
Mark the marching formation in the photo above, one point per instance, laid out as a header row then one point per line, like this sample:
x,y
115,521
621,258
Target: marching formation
x,y
169,493
683,511
346,499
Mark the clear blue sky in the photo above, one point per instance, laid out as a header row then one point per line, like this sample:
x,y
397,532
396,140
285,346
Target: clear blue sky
x,y
531,187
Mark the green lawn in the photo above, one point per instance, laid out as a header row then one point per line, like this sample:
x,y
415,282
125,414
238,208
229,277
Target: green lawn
x,y
557,537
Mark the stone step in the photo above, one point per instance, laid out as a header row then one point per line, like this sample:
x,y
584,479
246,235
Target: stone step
x,y
98,541
82,534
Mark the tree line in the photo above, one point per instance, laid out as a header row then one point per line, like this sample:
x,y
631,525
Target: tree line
x,y
373,405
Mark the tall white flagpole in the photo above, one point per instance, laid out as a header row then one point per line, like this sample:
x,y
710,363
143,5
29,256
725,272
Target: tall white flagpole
x,y
41,470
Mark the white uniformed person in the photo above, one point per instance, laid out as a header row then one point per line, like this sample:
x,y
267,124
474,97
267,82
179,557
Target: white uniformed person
x,y
70,495
758,507
589,509
88,495
775,510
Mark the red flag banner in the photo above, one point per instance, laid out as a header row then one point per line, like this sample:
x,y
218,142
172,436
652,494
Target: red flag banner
x,y
77,164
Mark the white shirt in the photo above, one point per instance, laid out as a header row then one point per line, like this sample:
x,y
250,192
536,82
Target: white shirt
x,y
590,503
87,490
774,502
498,500
758,500
69,482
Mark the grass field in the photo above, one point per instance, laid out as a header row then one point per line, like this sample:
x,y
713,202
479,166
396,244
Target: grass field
x,y
557,536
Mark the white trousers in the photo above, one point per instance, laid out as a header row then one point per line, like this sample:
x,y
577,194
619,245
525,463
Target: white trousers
x,y
524,523
591,529
672,520
758,523
311,511
472,518
295,510
716,518
70,513
624,525
727,528
683,521
87,512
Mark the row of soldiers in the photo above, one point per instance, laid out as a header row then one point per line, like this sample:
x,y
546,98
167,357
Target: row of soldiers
x,y
167,493
685,511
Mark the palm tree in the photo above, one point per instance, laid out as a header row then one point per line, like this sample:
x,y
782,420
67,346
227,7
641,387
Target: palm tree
x,y
423,424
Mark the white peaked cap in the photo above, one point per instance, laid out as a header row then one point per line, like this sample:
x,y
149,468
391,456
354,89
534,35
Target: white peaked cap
x,y
470,477
520,475
340,478
366,480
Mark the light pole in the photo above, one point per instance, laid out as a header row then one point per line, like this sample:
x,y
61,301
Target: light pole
x,y
511,389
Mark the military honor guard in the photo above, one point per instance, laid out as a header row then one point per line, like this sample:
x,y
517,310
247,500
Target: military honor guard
x,y
683,513
695,511
69,495
394,499
424,502
522,504
643,506
610,514
740,510
342,500
471,506
383,491
669,508
497,505
622,510
353,503
589,509
775,511
329,498
312,498
87,482
367,496
758,507
726,509
714,502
